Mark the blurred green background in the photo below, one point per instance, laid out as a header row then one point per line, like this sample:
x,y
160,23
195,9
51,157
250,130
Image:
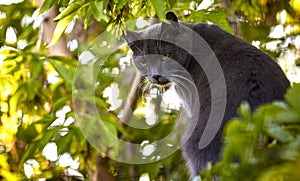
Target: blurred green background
x,y
40,43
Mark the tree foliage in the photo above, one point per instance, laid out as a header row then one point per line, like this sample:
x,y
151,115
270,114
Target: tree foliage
x,y
264,145
36,90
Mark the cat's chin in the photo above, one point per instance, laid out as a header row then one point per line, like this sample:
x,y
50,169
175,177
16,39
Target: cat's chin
x,y
163,84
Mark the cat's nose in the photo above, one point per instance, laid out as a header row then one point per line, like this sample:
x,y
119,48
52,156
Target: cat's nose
x,y
158,79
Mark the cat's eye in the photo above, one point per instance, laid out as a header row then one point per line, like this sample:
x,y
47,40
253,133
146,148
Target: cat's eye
x,y
143,64
166,56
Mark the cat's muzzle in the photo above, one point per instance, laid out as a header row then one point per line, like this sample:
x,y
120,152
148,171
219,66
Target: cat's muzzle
x,y
158,79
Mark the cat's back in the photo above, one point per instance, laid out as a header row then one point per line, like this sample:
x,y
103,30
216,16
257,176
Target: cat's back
x,y
250,74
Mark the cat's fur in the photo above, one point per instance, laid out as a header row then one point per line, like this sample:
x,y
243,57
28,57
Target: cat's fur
x,y
250,75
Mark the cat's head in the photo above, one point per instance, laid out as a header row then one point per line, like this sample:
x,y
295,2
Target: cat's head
x,y
156,50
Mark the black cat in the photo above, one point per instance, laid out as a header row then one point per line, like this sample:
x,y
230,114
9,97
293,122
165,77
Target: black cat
x,y
165,52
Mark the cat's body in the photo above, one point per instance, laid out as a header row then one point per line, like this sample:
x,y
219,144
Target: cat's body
x,y
250,75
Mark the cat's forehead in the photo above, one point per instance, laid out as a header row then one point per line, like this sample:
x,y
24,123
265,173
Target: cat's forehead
x,y
152,32
167,32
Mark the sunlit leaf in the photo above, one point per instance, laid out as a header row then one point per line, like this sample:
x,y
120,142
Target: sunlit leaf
x,y
63,3
292,96
47,137
60,28
278,132
35,68
15,99
160,7
30,151
97,9
31,88
109,134
64,142
88,19
61,102
71,9
62,70
291,151
287,171
65,60
47,4
27,134
245,110
120,4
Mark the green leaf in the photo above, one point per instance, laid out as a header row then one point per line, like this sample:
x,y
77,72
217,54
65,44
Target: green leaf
x,y
69,10
120,4
47,136
285,171
286,117
152,169
61,27
15,99
245,111
110,133
279,133
61,69
220,18
286,5
63,3
292,150
47,4
293,96
65,60
27,134
64,142
197,16
88,19
160,7
35,69
61,102
97,9
30,151
30,88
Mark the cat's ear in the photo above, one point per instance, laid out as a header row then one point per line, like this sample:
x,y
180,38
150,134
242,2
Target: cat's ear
x,y
172,18
132,38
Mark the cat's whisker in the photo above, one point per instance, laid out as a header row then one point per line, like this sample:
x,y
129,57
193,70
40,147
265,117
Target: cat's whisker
x,y
141,85
187,91
182,83
184,78
182,72
143,92
163,90
172,72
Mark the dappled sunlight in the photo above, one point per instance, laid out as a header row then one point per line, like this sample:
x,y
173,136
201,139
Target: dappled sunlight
x,y
144,177
11,36
112,93
287,62
8,2
42,139
50,152
31,167
9,127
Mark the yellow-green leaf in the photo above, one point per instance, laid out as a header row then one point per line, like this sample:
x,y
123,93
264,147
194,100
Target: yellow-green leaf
x,y
47,4
63,71
69,10
160,7
60,28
